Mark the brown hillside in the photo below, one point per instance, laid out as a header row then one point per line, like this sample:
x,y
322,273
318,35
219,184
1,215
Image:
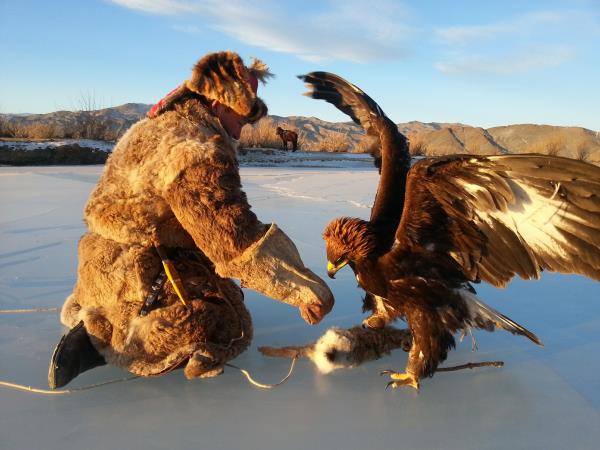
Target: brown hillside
x,y
319,135
573,142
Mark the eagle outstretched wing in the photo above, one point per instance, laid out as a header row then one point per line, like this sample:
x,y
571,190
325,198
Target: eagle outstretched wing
x,y
346,97
507,215
390,148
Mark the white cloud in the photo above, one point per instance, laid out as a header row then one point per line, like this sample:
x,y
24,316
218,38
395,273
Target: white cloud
x,y
340,30
507,64
536,40
523,24
163,7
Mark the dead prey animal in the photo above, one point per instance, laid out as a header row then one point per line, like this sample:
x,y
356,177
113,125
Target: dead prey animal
x,y
342,348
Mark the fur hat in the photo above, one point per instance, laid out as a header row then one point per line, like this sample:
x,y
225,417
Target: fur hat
x,y
222,77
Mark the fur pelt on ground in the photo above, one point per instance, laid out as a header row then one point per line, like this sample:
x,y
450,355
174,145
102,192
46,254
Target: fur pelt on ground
x,y
342,348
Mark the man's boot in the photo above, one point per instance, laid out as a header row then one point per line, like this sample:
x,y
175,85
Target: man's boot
x,y
73,355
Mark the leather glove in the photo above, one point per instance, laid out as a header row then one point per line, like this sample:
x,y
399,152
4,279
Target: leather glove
x,y
273,267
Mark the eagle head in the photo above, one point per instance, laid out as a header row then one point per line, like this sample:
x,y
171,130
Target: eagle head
x,y
347,240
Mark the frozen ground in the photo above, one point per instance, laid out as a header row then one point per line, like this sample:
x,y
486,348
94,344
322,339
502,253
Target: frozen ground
x,y
53,143
544,398
250,158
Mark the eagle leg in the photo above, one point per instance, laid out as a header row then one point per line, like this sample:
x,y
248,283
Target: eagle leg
x,y
375,321
400,379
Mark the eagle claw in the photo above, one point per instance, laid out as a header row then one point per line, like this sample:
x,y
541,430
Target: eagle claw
x,y
401,380
374,322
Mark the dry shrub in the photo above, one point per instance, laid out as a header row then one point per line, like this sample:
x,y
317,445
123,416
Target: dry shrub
x,y
335,142
90,126
555,146
582,152
41,131
417,147
552,146
3,127
365,145
87,127
13,129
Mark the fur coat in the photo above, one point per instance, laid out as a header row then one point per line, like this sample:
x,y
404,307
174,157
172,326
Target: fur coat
x,y
174,180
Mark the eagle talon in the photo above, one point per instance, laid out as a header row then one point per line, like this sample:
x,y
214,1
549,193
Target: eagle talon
x,y
374,322
401,380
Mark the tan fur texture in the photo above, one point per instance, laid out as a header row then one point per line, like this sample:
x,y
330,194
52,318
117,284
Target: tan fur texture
x,y
182,154
174,180
344,348
223,77
260,70
113,280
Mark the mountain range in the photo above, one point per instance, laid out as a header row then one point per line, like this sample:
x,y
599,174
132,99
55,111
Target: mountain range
x,y
316,134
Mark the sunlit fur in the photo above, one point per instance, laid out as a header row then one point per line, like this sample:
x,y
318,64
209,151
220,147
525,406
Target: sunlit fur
x,y
350,238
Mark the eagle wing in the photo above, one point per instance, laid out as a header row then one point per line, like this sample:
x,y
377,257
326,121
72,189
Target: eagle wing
x,y
501,216
346,97
390,148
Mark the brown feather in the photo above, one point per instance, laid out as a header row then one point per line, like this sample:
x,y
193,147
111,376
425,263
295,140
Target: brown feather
x,y
464,218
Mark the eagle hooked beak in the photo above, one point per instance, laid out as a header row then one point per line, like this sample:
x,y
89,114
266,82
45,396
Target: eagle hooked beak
x,y
332,269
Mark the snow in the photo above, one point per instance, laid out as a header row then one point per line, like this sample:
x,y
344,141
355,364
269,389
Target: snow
x,y
275,157
544,398
252,157
104,146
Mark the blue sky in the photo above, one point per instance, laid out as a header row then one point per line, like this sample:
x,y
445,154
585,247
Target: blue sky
x,y
483,63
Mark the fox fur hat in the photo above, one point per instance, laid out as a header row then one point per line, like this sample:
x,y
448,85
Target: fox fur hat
x,y
224,78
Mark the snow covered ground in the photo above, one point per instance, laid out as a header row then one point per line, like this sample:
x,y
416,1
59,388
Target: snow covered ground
x,y
54,143
544,398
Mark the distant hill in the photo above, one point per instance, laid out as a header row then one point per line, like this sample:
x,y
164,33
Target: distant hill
x,y
107,124
316,134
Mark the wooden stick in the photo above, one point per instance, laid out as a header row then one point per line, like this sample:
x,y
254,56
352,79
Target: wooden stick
x,y
471,366
286,352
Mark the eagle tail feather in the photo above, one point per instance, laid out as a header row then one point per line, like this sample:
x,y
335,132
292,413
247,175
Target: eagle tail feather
x,y
485,317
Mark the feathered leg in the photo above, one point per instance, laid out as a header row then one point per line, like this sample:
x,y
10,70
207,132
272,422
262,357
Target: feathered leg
x,y
430,346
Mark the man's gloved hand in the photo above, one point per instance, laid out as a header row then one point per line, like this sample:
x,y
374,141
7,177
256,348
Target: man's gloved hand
x,y
272,266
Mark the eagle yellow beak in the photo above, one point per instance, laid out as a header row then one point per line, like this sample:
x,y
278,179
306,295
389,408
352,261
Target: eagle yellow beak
x,y
332,269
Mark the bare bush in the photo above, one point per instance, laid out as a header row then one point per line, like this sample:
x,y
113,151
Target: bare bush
x,y
303,142
417,147
365,145
335,142
582,152
15,130
41,131
2,126
89,124
36,130
554,146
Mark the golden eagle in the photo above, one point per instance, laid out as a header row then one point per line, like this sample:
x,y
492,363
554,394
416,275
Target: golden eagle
x,y
447,222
